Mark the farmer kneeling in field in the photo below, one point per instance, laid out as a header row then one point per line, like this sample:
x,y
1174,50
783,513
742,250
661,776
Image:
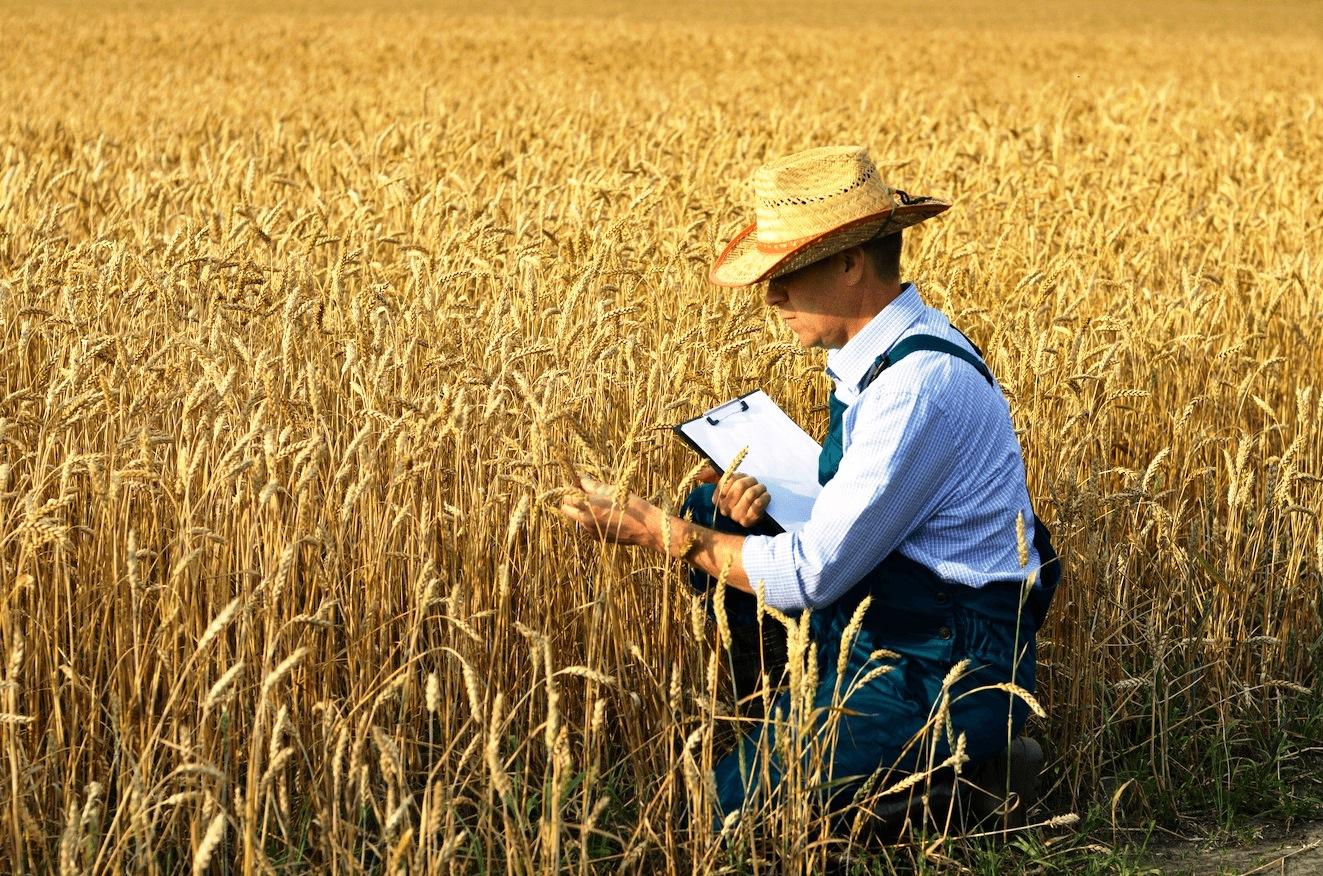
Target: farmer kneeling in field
x,y
923,485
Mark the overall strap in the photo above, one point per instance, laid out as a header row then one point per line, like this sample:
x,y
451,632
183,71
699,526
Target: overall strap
x,y
976,348
829,458
931,343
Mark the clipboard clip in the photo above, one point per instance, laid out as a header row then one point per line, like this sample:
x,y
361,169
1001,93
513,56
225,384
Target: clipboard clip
x,y
713,421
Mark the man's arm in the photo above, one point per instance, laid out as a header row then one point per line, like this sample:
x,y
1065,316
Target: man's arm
x,y
900,461
893,477
639,522
713,552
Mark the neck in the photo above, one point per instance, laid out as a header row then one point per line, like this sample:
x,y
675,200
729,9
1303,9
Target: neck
x,y
871,303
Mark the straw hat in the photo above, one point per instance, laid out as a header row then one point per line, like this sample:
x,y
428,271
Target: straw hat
x,y
813,204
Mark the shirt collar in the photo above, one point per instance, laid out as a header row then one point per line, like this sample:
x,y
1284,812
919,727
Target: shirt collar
x,y
848,365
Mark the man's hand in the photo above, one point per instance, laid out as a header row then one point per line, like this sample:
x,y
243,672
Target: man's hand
x,y
741,497
637,521
633,522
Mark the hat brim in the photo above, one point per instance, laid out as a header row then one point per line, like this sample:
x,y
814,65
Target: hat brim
x,y
742,263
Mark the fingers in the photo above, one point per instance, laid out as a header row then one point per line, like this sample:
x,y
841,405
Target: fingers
x,y
742,499
731,489
594,508
750,507
574,508
580,511
576,502
708,475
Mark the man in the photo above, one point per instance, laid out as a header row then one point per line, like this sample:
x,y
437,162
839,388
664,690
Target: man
x,y
924,508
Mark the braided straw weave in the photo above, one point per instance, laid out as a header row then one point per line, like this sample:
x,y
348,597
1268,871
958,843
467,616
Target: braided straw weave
x,y
813,204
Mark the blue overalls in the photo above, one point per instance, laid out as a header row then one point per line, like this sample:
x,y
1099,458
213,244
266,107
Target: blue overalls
x,y
931,623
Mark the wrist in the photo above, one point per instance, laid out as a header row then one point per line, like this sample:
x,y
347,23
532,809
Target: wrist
x,y
657,529
664,524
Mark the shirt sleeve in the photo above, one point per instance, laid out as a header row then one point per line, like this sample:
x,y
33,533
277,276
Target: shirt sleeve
x,y
892,477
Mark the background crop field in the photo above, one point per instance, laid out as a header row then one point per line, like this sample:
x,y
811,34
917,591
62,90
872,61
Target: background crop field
x,y
300,313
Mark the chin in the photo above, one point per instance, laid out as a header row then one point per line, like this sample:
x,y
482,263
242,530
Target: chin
x,y
807,344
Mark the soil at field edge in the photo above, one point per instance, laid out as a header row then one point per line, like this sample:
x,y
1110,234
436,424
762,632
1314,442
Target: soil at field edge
x,y
1296,852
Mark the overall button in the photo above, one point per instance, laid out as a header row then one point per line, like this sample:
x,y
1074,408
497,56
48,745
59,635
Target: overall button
x,y
942,597
944,632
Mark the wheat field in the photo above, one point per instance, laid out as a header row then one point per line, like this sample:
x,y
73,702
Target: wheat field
x,y
304,316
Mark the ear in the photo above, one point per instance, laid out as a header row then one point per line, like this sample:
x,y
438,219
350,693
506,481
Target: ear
x,y
852,264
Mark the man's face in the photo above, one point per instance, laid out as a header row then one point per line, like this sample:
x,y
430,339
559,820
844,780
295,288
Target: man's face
x,y
815,302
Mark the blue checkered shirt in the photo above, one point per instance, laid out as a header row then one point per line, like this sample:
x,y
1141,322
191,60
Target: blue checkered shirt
x,y
931,468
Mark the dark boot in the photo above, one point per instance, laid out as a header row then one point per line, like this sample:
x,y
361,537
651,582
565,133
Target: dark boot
x,y
1000,790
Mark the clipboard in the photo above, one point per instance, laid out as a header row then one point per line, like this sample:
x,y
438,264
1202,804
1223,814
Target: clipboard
x,y
781,455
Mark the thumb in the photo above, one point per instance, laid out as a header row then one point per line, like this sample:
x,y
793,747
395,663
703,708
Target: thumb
x,y
708,475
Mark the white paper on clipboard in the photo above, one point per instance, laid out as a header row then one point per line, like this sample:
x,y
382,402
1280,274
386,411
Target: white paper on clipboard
x,y
781,455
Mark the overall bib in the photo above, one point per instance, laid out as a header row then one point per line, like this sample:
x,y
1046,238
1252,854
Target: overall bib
x,y
931,623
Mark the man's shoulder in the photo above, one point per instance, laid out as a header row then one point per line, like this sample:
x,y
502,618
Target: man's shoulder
x,y
930,364
935,322
938,377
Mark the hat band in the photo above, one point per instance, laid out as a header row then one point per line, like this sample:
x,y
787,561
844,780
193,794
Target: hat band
x,y
784,246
